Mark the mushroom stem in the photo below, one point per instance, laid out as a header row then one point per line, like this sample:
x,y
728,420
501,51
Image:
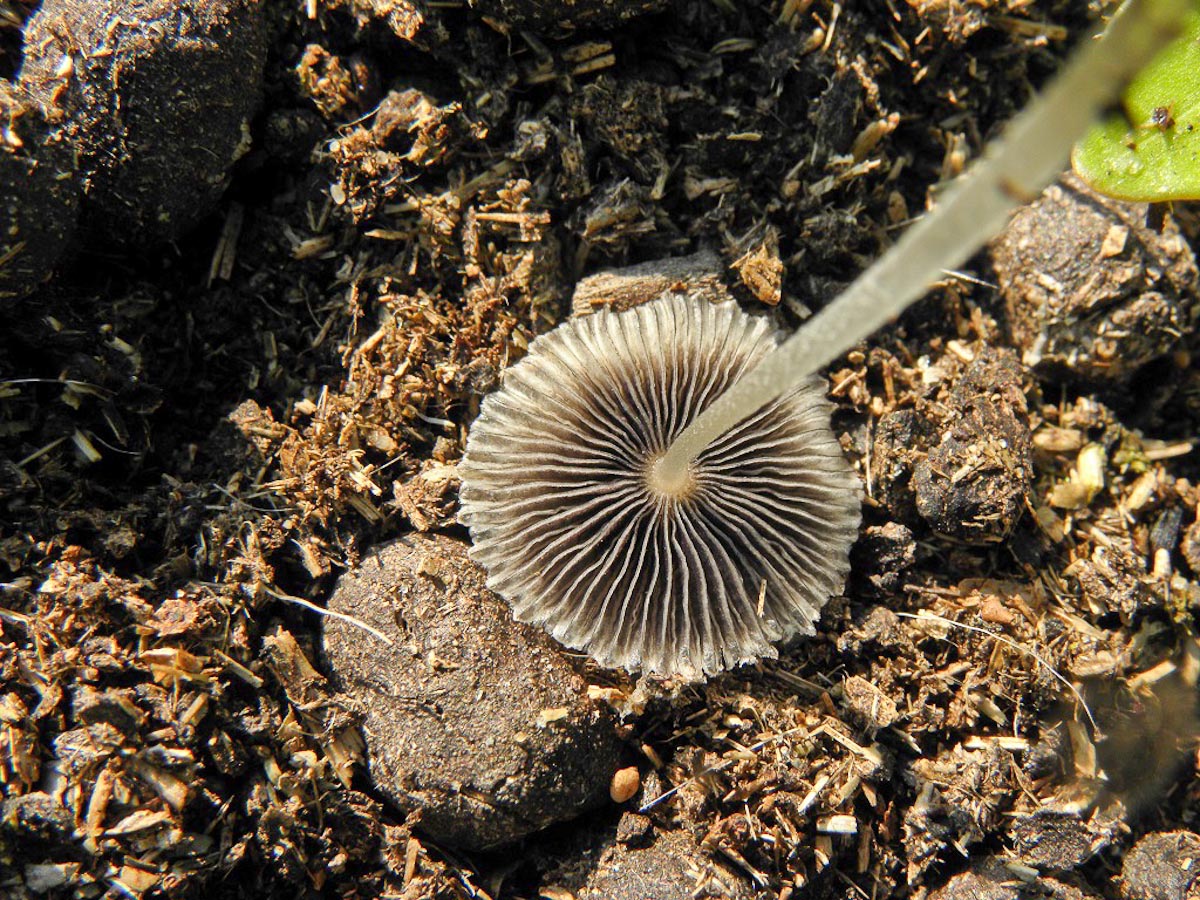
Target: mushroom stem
x,y
676,483
1013,170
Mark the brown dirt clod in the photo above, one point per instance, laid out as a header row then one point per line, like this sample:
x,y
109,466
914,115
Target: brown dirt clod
x,y
1163,866
991,879
156,97
475,723
978,481
671,867
565,15
1090,290
620,289
1062,840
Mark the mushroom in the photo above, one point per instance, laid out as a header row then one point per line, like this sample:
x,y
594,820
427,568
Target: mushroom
x,y
660,487
675,579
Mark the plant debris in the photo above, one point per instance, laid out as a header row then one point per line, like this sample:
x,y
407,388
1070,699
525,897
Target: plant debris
x,y
199,438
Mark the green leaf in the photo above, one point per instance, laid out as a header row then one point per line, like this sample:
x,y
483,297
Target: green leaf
x,y
1152,152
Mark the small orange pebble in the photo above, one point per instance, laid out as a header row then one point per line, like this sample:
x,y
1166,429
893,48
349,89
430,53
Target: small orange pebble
x,y
625,783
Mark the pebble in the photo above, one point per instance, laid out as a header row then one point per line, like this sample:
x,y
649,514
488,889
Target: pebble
x,y
624,785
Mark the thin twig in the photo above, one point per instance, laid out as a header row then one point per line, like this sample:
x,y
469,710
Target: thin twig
x,y
322,611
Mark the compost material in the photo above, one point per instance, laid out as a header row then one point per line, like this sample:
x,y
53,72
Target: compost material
x,y
312,236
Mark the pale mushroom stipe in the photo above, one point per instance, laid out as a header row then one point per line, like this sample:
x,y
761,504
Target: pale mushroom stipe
x,y
661,488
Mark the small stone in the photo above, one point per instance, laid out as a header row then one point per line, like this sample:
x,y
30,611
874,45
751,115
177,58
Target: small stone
x,y
624,784
39,200
1090,290
452,710
1163,866
155,96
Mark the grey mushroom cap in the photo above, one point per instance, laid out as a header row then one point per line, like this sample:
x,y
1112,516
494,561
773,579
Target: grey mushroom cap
x,y
579,541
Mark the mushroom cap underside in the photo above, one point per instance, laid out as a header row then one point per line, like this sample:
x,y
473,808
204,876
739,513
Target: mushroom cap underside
x,y
578,540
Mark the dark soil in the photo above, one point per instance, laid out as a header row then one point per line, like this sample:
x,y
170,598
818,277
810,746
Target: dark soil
x,y
38,194
313,234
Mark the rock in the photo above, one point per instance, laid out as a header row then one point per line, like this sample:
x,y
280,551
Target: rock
x,y
1055,839
625,783
991,879
156,97
1163,866
475,724
671,867
978,481
39,199
881,557
1089,288
566,15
